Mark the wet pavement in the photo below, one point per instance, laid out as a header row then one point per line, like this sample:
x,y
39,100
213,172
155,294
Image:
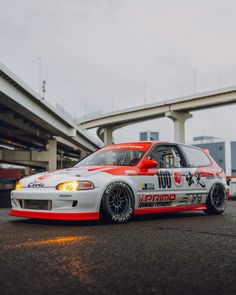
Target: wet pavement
x,y
181,253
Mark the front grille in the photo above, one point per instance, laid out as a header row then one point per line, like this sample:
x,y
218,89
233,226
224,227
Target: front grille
x,y
36,204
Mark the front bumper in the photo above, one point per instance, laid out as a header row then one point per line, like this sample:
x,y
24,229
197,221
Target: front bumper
x,y
54,215
78,205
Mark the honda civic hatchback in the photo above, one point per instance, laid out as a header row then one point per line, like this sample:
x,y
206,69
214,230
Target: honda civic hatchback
x,y
123,180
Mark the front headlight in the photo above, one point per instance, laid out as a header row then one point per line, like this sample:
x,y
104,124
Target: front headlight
x,y
75,185
18,186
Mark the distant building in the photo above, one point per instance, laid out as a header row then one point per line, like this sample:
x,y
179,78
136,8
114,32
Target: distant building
x,y
203,137
148,135
222,150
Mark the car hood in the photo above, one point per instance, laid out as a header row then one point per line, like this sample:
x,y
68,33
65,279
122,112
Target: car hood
x,y
52,178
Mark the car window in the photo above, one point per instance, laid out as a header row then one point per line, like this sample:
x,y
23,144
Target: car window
x,y
166,156
196,157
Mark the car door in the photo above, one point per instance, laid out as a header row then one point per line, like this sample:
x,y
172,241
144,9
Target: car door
x,y
167,187
198,175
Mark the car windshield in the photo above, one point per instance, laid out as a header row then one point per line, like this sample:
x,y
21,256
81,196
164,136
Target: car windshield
x,y
116,157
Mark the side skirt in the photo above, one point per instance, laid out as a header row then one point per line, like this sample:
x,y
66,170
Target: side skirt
x,y
169,209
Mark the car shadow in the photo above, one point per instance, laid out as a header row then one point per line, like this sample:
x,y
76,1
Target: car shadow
x,y
140,218
50,222
174,215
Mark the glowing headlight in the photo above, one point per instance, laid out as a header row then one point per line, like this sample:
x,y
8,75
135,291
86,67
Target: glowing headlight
x,y
18,186
74,186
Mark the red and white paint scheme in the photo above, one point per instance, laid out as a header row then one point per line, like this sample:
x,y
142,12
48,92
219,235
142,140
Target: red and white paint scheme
x,y
123,180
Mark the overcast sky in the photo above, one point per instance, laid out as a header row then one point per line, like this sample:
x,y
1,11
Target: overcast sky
x,y
104,55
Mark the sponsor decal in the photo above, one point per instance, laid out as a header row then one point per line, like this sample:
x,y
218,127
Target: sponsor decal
x,y
189,178
36,185
199,180
41,178
178,178
38,181
156,200
164,179
195,178
127,146
123,147
191,199
65,196
147,186
130,172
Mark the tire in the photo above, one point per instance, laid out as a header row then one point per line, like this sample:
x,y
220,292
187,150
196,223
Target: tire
x,y
117,205
216,201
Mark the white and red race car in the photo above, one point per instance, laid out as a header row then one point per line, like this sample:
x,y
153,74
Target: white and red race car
x,y
123,180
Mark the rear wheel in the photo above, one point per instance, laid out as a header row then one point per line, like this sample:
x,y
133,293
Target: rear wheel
x,y
216,201
117,203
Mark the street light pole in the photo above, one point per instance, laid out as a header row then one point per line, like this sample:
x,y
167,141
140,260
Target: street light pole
x,y
39,74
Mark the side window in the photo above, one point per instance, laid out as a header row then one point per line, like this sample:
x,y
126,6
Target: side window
x,y
166,156
196,157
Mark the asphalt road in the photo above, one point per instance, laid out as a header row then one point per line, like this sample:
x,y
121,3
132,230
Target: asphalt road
x,y
184,253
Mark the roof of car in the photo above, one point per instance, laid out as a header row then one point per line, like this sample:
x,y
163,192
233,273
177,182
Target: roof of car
x,y
143,145
141,142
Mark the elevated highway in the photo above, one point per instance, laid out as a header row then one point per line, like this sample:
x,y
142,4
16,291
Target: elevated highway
x,y
32,132
178,110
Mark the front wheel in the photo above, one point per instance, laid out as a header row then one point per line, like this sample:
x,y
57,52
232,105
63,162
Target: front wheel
x,y
216,201
117,203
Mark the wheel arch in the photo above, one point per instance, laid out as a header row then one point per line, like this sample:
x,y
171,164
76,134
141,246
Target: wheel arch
x,y
216,205
130,186
216,183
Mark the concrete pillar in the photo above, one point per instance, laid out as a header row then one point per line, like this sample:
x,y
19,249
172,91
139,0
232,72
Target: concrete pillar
x,y
179,119
107,136
28,171
52,154
83,154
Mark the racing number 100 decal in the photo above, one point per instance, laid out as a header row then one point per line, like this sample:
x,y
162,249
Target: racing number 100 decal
x,y
164,179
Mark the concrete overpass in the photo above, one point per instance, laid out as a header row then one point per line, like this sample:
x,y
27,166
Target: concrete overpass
x,y
178,110
32,132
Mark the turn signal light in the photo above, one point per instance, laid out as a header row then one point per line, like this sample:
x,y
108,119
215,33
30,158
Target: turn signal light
x,y
75,186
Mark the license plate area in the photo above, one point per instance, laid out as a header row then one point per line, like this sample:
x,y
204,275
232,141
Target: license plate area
x,y
37,204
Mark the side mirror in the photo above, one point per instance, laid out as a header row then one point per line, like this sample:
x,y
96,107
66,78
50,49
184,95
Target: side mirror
x,y
148,164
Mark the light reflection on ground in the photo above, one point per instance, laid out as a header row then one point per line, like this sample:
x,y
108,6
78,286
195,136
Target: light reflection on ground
x,y
53,241
67,264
